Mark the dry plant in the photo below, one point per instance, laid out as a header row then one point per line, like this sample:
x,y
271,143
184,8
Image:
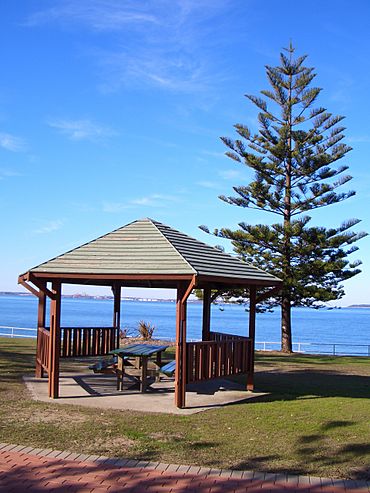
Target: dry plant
x,y
145,330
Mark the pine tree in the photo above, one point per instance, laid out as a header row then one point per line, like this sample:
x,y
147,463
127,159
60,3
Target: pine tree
x,y
294,157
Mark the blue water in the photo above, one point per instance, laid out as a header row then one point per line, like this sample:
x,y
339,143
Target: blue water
x,y
319,327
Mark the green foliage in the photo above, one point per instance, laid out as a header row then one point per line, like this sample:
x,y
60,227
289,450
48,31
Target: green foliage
x,y
318,257
294,157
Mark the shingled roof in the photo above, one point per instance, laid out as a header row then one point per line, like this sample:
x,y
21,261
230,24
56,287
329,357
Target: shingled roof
x,y
147,247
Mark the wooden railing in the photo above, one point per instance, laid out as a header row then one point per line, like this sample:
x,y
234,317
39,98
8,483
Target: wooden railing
x,y
213,359
88,341
221,336
42,353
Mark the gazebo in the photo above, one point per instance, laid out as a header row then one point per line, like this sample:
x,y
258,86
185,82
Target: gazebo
x,y
147,253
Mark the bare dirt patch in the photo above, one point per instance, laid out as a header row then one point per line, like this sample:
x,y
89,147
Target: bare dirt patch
x,y
51,416
111,445
166,437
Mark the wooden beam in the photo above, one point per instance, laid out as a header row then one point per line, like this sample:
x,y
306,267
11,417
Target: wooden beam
x,y
178,373
39,371
54,343
28,287
218,281
183,293
41,284
117,310
112,277
189,289
206,322
252,335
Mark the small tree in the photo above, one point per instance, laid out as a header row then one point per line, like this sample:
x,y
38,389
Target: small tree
x,y
292,156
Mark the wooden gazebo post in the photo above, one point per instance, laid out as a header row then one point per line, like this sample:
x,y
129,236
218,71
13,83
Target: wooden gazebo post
x,y
252,332
54,342
206,322
117,310
41,313
179,377
183,293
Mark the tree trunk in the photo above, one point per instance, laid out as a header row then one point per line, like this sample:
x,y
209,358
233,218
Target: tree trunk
x,y
286,325
286,322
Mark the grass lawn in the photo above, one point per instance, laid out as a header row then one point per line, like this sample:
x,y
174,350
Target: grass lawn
x,y
315,420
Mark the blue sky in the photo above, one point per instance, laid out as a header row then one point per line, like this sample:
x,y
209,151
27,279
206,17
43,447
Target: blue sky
x,y
111,111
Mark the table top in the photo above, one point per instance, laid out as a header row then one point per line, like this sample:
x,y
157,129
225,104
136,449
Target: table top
x,y
138,350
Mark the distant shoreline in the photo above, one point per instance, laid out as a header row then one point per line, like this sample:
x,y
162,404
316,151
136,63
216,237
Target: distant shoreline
x,y
359,306
79,296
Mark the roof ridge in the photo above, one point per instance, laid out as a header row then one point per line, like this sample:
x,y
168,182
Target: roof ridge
x,y
211,247
206,244
155,223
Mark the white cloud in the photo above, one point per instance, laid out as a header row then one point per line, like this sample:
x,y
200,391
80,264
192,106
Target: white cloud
x,y
98,15
229,174
81,129
113,15
153,200
160,67
166,47
7,173
359,139
208,184
11,142
49,227
213,154
115,207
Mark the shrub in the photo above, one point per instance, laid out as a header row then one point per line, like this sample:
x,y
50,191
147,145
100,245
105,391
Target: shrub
x,y
145,330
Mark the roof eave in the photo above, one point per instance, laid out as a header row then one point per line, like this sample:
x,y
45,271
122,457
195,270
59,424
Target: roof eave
x,y
237,281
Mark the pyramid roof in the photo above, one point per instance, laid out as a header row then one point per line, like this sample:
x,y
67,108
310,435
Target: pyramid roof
x,y
148,248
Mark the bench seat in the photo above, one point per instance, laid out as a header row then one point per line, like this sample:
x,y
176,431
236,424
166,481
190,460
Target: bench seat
x,y
169,369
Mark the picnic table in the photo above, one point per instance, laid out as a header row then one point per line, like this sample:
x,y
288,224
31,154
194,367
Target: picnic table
x,y
142,353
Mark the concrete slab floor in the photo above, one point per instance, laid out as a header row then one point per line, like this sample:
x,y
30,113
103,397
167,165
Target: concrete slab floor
x,y
99,391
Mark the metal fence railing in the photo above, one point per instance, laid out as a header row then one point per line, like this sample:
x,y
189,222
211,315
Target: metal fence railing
x,y
6,331
335,348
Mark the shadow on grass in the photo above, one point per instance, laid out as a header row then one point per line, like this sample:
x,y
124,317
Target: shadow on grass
x,y
188,449
310,383
16,359
314,449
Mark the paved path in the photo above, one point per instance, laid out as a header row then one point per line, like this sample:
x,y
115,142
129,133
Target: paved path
x,y
31,470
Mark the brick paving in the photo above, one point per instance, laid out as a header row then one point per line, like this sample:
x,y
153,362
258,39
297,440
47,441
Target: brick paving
x,y
33,470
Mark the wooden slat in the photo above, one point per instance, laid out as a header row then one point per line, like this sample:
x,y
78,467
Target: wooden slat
x,y
212,359
88,341
64,344
84,343
89,348
69,342
103,341
43,341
